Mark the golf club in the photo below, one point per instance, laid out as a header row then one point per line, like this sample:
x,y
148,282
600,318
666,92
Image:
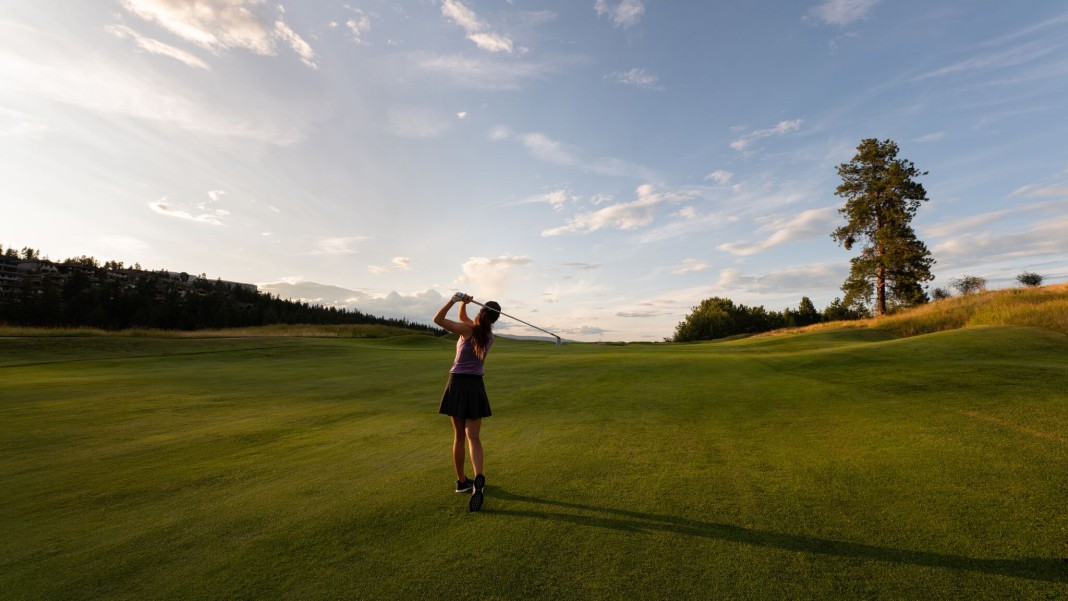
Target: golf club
x,y
558,341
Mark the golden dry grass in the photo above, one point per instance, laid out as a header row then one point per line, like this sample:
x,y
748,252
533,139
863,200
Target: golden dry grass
x,y
1042,307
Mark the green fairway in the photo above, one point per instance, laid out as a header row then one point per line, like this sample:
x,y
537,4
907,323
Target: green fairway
x,y
834,464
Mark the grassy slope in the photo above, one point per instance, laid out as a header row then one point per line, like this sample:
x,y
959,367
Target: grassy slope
x,y
832,464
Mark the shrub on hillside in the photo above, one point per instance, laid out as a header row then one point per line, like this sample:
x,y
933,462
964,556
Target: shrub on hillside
x,y
940,294
968,284
1029,279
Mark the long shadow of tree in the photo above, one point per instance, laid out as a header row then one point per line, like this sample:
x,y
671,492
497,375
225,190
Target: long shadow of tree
x,y
1043,569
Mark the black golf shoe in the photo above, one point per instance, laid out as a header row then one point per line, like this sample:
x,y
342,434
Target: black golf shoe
x,y
477,494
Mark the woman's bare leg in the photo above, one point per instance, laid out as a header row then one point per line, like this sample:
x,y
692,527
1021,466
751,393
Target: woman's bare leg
x,y
459,428
473,426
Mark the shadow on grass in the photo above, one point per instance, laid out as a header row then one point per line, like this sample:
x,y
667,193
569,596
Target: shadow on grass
x,y
1047,570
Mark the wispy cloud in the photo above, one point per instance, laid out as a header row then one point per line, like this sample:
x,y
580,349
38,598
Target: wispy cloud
x,y
556,198
691,266
43,65
1001,59
782,128
170,209
157,47
297,43
1042,238
18,123
396,264
623,216
547,149
639,78
843,12
625,13
414,122
359,25
931,137
809,224
477,30
126,244
483,73
789,279
552,151
339,245
219,25
491,276
1031,191
719,176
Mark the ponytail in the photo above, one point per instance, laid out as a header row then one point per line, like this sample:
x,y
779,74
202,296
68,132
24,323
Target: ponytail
x,y
483,329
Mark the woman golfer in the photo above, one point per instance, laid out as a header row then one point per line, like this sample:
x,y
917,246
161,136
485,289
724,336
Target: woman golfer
x,y
465,399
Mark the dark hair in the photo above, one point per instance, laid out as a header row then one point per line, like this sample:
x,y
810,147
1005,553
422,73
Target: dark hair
x,y
484,327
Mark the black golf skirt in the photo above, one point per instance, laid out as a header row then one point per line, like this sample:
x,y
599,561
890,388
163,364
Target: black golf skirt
x,y
465,396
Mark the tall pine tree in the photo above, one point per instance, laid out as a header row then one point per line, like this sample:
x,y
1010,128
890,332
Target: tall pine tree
x,y
882,197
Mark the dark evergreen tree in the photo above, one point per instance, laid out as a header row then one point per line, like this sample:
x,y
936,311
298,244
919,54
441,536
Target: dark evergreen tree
x,y
882,197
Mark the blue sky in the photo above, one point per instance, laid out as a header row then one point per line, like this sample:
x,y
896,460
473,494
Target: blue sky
x,y
597,166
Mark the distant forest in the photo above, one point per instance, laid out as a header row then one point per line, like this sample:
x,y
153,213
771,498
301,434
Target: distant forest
x,y
80,292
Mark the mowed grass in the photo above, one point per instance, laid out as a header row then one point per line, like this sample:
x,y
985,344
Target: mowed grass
x,y
835,464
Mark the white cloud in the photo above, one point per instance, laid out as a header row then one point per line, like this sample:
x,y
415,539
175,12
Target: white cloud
x,y
843,12
687,213
219,25
18,123
805,279
1032,191
156,47
783,127
211,217
622,14
551,151
482,73
623,216
547,149
691,266
490,277
477,30
931,137
298,289
126,244
1009,58
809,224
1042,238
965,224
397,264
338,246
461,115
359,26
557,198
51,67
412,122
719,176
302,48
639,78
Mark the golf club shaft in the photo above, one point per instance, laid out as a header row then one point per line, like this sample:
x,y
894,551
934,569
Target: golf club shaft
x,y
519,320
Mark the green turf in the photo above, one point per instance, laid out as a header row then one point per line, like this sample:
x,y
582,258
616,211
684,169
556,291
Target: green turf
x,y
838,464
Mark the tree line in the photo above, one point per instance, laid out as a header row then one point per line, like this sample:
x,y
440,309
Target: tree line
x,y
718,317
80,292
